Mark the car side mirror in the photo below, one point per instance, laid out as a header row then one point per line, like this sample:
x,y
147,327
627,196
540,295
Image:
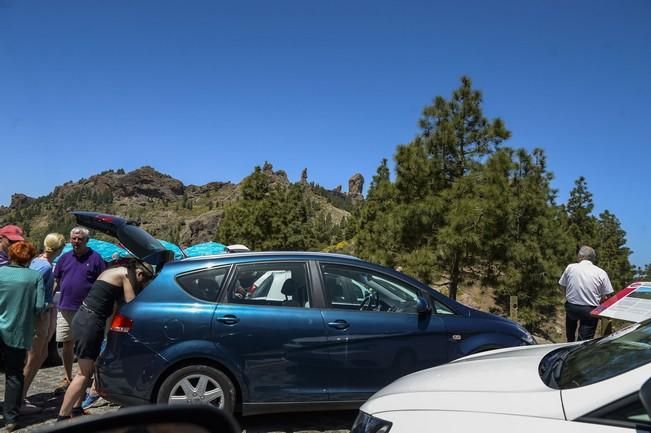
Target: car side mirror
x,y
645,396
200,418
422,306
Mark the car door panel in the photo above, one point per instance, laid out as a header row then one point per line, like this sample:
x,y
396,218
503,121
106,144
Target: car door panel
x,y
280,344
376,348
281,355
371,348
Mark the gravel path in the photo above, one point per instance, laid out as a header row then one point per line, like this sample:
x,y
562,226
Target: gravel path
x,y
313,422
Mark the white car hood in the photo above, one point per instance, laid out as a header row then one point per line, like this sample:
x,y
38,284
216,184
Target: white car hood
x,y
502,381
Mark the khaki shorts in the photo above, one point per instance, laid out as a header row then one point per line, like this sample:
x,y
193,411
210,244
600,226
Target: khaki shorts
x,y
64,325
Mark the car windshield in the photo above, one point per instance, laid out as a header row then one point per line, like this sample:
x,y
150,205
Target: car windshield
x,y
597,360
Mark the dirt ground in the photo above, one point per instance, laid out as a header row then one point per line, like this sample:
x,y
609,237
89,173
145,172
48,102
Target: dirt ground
x,y
308,422
483,298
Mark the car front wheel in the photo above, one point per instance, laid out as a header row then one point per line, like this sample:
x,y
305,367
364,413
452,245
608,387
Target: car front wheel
x,y
197,384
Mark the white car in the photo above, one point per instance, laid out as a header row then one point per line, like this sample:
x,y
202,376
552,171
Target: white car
x,y
593,386
269,286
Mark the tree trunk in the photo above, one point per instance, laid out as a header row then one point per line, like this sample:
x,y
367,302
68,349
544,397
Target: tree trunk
x,y
455,276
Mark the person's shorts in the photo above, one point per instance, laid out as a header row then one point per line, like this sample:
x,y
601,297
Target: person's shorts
x,y
88,329
64,325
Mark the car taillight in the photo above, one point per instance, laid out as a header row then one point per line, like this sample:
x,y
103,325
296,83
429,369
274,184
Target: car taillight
x,y
121,323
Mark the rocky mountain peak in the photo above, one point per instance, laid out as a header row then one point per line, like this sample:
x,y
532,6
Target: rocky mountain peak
x,y
19,200
148,182
356,185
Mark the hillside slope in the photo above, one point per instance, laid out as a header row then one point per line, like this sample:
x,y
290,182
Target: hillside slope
x,y
164,206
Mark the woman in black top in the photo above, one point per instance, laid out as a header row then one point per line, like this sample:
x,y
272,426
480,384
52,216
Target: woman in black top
x,y
113,286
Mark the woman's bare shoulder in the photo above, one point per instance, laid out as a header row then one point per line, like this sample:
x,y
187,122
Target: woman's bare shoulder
x,y
114,276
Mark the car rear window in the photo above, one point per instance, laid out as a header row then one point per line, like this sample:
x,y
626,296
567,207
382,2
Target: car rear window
x,y
274,284
205,285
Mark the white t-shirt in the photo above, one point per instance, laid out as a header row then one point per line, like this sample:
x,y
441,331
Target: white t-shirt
x,y
585,283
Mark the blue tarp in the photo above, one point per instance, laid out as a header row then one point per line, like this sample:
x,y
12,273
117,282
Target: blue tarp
x,y
205,249
178,253
107,250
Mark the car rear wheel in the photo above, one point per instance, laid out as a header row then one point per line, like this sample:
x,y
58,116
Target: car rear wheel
x,y
196,384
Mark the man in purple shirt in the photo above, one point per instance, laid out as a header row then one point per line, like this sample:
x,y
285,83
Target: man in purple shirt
x,y
74,274
8,235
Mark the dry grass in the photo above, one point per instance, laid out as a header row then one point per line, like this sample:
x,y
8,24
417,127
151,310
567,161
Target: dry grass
x,y
483,299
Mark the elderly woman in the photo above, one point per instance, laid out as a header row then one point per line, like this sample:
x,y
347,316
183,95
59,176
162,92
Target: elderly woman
x,y
21,299
114,286
45,322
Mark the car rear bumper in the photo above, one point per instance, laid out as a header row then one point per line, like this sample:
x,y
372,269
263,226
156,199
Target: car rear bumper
x,y
127,371
122,400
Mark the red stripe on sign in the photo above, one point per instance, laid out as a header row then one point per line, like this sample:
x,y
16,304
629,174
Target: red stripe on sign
x,y
610,301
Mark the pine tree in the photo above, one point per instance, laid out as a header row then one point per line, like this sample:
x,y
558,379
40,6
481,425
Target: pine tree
x,y
456,134
375,221
429,221
458,244
437,175
612,252
274,216
526,245
579,212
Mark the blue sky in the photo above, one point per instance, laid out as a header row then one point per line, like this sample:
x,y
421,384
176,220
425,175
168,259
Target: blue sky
x,y
206,90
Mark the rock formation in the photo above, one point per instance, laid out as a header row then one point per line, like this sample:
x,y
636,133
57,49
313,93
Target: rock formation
x,y
356,186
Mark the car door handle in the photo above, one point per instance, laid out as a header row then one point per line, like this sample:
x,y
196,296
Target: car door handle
x,y
339,324
229,319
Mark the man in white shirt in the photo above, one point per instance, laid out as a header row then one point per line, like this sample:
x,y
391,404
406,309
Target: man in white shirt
x,y
586,286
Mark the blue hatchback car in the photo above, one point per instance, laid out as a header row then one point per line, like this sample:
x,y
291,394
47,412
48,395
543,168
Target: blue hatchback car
x,y
278,331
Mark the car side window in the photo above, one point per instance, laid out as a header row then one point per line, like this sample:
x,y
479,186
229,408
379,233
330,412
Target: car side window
x,y
276,284
354,288
440,308
205,285
633,412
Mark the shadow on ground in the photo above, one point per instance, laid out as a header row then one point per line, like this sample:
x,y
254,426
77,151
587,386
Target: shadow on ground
x,y
50,405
